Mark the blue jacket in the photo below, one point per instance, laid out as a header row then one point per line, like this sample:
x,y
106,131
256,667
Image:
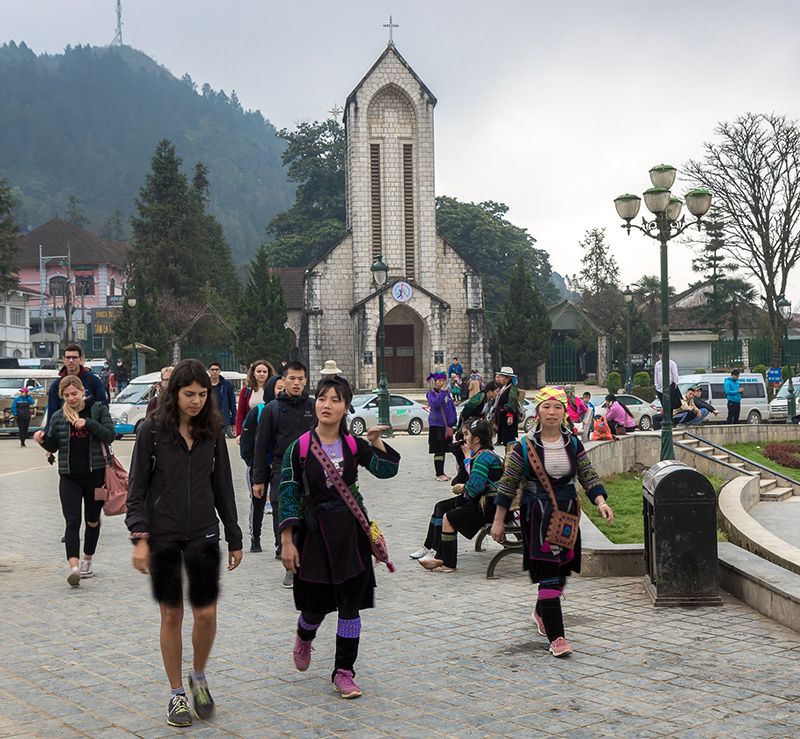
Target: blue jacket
x,y
226,400
91,382
20,401
732,390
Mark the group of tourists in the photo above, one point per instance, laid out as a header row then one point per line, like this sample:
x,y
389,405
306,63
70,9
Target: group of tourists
x,y
300,457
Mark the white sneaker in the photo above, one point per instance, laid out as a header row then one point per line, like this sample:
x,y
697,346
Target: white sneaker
x,y
268,508
74,577
420,553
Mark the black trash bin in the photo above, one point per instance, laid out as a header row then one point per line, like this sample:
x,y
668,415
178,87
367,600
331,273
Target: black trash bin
x,y
680,536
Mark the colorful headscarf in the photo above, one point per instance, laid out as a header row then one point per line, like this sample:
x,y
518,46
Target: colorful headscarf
x,y
569,390
550,393
433,376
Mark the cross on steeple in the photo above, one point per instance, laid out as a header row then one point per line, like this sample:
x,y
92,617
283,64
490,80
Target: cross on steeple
x,y
335,112
391,26
208,290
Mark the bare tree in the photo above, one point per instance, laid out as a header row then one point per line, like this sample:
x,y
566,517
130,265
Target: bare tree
x,y
753,174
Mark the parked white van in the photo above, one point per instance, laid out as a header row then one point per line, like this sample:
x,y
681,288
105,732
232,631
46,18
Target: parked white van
x,y
755,408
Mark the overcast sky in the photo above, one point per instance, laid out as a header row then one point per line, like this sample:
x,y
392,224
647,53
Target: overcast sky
x,y
553,108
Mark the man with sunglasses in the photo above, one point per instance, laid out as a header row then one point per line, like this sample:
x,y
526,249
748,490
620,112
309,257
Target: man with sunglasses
x,y
72,366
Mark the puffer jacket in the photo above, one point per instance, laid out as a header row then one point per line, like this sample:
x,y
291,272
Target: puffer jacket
x,y
101,428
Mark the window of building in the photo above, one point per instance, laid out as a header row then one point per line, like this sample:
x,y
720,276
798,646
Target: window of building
x,y
58,286
84,287
17,317
2,314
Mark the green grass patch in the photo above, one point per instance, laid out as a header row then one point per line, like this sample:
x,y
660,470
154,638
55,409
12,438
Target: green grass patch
x,y
625,498
753,451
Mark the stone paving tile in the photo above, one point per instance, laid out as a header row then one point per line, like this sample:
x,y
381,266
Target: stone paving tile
x,y
441,656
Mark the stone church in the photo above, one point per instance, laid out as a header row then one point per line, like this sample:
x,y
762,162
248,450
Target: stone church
x,y
433,301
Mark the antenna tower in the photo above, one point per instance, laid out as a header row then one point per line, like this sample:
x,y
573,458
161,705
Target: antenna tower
x,y
118,38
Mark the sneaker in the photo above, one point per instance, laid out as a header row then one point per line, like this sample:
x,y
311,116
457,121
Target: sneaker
x,y
442,478
74,577
537,619
268,508
420,553
255,544
560,648
343,683
178,713
288,579
86,568
301,654
203,702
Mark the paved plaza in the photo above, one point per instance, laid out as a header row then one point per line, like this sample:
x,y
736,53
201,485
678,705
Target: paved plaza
x,y
443,655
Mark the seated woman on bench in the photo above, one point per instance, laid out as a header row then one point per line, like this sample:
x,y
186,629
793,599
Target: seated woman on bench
x,y
470,507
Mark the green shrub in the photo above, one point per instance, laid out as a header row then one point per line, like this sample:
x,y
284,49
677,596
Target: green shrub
x,y
647,393
641,379
614,382
700,371
785,373
761,369
591,382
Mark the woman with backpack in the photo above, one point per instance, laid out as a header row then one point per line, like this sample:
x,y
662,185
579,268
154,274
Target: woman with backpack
x,y
180,480
548,461
470,507
323,541
77,432
252,393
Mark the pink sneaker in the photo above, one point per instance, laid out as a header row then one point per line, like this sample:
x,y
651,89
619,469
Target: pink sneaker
x,y
560,648
301,654
537,619
343,683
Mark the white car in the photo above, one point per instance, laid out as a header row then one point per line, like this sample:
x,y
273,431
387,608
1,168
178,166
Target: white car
x,y
779,407
405,414
641,410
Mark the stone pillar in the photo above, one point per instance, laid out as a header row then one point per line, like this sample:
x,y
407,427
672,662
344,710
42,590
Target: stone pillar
x,y
603,349
176,353
746,355
541,375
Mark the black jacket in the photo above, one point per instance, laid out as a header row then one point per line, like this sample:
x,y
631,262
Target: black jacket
x,y
700,403
283,421
175,494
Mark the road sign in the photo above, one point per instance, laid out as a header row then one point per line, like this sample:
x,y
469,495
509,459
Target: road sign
x,y
774,374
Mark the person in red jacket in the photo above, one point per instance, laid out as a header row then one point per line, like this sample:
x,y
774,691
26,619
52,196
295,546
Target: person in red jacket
x,y
253,391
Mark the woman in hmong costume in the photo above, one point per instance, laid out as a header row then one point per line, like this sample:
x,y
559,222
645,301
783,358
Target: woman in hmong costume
x,y
563,458
322,541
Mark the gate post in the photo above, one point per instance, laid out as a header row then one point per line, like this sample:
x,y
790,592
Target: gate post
x,y
602,358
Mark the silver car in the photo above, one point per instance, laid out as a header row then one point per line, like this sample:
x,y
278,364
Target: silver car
x,y
404,414
779,407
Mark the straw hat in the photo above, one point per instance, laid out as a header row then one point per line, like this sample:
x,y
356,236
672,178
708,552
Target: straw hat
x,y
507,371
330,368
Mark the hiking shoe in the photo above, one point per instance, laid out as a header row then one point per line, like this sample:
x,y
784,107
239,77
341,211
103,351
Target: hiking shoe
x,y
288,580
74,577
203,702
178,713
343,683
420,553
268,507
301,654
537,619
560,648
255,544
86,568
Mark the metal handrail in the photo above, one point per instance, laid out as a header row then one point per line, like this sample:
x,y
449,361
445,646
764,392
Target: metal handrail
x,y
758,466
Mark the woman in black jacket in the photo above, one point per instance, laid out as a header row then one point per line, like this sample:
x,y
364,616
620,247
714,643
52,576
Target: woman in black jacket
x,y
180,480
76,432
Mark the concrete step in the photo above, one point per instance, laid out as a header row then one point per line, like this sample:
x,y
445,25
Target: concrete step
x,y
704,449
722,457
777,494
738,465
767,484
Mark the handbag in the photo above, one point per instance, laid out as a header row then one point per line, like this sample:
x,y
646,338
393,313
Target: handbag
x,y
376,541
448,430
114,492
564,527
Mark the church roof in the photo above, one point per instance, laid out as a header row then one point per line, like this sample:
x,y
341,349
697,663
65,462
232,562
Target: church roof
x,y
390,49
58,237
292,283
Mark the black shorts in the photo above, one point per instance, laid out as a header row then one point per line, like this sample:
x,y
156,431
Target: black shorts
x,y
201,558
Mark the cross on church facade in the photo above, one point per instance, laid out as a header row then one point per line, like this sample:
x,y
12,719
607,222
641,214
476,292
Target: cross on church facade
x,y
391,26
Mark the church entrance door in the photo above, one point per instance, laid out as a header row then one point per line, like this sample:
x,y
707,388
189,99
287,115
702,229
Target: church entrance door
x,y
399,354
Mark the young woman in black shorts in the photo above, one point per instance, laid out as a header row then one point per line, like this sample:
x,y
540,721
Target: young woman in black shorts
x,y
180,481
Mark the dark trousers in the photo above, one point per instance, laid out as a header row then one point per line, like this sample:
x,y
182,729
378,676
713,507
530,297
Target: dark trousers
x,y
77,492
733,412
22,425
274,497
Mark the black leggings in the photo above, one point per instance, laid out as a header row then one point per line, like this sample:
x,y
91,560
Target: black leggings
x,y
73,492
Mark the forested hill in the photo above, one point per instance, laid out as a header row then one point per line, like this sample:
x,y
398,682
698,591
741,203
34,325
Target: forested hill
x,y
86,123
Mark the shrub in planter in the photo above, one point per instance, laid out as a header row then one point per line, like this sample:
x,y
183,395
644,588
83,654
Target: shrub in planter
x,y
699,371
614,382
641,379
648,393
761,369
786,455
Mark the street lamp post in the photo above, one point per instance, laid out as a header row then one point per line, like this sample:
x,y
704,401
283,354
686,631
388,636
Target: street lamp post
x,y
785,309
135,364
627,296
380,275
664,227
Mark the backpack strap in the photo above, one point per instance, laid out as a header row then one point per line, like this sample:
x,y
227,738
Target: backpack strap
x,y
305,443
351,442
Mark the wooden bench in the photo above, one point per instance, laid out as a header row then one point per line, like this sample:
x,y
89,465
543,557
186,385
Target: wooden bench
x,y
512,542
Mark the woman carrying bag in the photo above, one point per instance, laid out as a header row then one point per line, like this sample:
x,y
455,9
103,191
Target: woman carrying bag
x,y
77,432
547,461
441,420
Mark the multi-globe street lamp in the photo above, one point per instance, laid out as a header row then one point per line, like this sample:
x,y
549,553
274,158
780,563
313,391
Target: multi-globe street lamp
x,y
627,296
785,309
380,276
666,225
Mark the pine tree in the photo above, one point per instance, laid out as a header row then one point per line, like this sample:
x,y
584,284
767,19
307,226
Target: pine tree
x,y
114,228
150,329
75,214
261,318
9,268
525,331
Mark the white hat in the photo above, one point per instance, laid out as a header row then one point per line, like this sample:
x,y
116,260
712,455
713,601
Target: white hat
x,y
330,368
507,371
